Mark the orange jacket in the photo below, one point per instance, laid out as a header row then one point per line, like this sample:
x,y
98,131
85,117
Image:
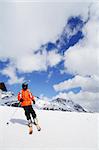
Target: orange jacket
x,y
27,97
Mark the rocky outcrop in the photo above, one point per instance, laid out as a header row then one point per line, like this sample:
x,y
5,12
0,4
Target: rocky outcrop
x,y
3,87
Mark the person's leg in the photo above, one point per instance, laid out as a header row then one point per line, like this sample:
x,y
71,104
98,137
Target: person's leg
x,y
27,114
35,118
32,112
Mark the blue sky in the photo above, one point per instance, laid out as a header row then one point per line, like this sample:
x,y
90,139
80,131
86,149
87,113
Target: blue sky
x,y
55,45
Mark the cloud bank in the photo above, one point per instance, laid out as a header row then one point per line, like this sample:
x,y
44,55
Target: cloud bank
x,y
82,60
90,84
25,26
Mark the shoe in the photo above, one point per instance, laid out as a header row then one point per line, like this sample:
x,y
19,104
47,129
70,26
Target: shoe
x,y
36,124
35,121
30,123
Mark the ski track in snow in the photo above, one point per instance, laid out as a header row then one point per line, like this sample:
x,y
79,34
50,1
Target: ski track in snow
x,y
60,130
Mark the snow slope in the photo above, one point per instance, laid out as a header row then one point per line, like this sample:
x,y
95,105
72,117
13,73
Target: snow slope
x,y
60,130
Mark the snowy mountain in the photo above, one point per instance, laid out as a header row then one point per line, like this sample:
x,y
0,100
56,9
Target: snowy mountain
x,y
60,104
9,99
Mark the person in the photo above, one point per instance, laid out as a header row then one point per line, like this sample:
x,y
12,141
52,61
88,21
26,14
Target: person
x,y
26,100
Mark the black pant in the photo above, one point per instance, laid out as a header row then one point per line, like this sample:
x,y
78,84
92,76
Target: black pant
x,y
29,111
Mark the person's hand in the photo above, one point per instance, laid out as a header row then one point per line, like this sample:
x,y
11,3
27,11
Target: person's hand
x,y
21,100
33,102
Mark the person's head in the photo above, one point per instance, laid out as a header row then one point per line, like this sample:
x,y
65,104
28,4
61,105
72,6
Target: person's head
x,y
24,86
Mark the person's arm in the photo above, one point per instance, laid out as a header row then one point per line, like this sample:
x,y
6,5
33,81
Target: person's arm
x,y
20,97
32,98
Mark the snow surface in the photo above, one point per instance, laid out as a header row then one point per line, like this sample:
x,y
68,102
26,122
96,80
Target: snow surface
x,y
60,130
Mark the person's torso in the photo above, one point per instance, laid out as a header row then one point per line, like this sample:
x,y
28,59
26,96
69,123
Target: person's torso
x,y
25,94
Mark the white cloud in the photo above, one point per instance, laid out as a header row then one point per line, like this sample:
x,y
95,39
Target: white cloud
x,y
43,97
25,26
83,58
49,76
90,84
88,100
39,61
10,72
32,62
53,58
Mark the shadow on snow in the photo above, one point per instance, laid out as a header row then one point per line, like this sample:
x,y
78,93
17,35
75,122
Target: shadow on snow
x,y
19,121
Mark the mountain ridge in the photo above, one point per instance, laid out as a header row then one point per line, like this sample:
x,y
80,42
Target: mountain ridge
x,y
9,99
